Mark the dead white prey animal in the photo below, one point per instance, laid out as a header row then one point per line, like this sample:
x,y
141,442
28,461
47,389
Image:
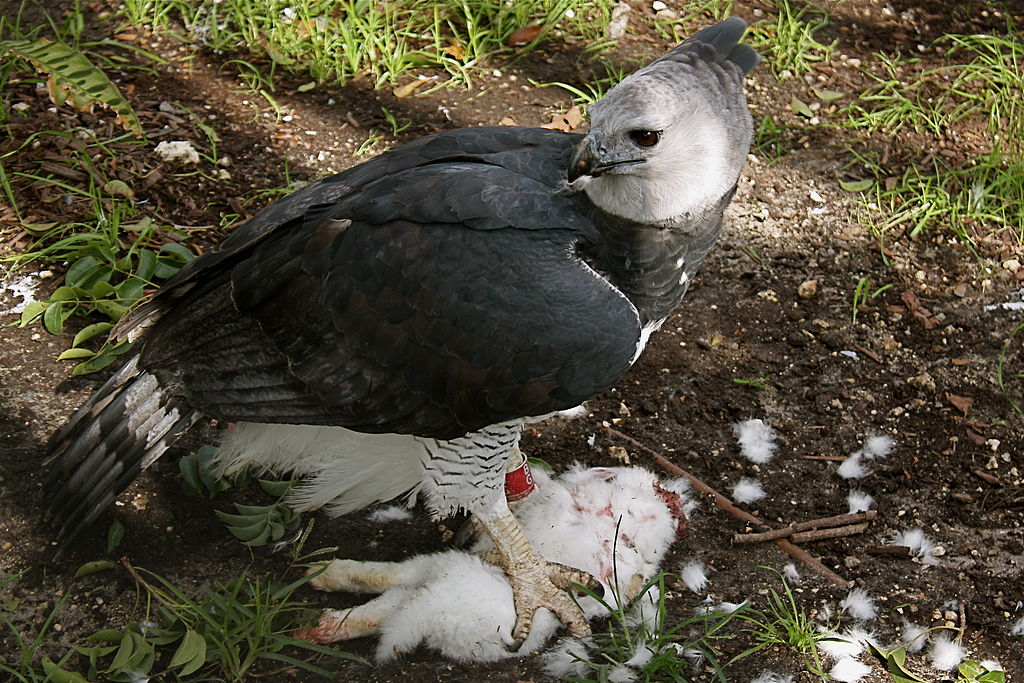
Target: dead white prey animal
x,y
608,522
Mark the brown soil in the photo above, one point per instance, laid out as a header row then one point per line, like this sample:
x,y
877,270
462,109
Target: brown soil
x,y
924,374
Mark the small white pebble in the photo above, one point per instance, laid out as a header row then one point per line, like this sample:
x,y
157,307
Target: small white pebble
x,y
658,5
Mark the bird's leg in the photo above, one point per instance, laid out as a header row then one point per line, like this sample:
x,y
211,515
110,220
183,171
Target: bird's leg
x,y
535,582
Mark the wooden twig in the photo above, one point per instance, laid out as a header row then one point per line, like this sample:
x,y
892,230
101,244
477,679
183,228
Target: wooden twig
x,y
792,529
900,550
791,549
827,458
834,532
986,477
822,523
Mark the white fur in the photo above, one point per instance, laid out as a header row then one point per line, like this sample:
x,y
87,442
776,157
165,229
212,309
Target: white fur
x,y
756,439
945,653
852,467
568,658
849,670
920,545
859,501
389,513
747,490
840,646
878,446
455,604
772,677
694,576
914,636
859,605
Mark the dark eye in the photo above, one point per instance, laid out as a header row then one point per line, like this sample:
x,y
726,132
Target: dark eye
x,y
645,138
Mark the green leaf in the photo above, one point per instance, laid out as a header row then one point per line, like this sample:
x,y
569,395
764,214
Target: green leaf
x,y
828,95
857,185
93,567
56,315
112,310
191,653
107,635
277,488
114,535
102,289
68,67
147,264
894,663
33,311
91,331
800,107
130,290
76,354
118,188
177,251
85,271
66,293
55,674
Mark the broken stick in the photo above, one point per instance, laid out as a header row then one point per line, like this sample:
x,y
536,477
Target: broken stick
x,y
792,529
790,548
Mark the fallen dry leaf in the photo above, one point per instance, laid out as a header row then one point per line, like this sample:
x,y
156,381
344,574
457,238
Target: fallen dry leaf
x,y
409,88
961,403
566,122
918,310
524,36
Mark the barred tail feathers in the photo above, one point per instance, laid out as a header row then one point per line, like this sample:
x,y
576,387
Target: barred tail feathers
x,y
122,429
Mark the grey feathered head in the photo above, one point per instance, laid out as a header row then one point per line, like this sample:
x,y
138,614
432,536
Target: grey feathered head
x,y
671,138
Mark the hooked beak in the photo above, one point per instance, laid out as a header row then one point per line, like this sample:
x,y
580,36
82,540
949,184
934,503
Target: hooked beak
x,y
589,158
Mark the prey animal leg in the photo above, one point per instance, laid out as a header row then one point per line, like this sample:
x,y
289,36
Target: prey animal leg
x,y
353,576
357,622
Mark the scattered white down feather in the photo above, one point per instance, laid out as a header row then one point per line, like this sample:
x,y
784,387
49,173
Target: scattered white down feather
x,y
568,658
694,575
919,544
1018,628
614,523
849,670
859,605
756,439
878,446
859,501
772,677
914,636
853,467
791,573
945,653
620,673
850,643
389,513
747,490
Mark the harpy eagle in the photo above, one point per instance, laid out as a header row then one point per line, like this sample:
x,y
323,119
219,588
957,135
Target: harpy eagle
x,y
393,326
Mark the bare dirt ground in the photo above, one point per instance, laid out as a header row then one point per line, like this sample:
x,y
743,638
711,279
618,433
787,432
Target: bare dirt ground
x,y
924,373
